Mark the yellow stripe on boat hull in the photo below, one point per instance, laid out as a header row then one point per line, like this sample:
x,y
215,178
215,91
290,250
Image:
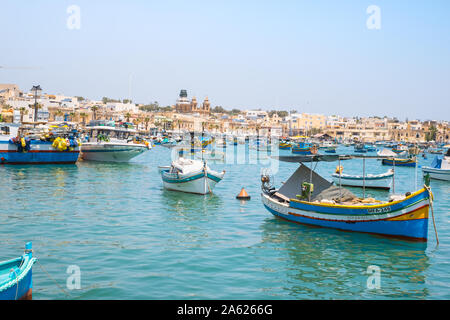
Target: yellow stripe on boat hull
x,y
360,206
421,213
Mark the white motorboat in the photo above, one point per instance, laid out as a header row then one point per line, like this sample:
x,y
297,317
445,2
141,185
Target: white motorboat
x,y
379,181
114,144
440,168
191,176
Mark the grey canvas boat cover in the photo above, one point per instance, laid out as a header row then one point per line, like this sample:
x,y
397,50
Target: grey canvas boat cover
x,y
323,189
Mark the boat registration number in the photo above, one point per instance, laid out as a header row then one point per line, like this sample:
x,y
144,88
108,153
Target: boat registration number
x,y
379,210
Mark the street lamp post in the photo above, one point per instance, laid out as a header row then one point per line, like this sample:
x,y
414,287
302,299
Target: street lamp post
x,y
36,89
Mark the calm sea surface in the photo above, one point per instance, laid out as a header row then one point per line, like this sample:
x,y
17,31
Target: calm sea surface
x,y
132,239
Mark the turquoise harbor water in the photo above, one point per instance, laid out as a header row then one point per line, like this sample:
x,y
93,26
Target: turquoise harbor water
x,y
132,239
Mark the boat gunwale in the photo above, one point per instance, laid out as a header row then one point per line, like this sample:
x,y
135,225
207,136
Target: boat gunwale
x,y
367,206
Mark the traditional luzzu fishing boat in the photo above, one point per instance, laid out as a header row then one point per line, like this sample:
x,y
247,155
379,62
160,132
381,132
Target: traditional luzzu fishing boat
x,y
330,150
440,167
399,162
284,145
191,176
303,148
307,198
38,145
400,148
112,144
376,181
16,276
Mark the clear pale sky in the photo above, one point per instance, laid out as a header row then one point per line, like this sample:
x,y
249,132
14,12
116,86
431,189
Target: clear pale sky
x,y
312,56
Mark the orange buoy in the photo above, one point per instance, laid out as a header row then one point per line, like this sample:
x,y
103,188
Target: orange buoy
x,y
243,195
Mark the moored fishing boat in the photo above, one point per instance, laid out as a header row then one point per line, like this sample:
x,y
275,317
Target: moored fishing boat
x,y
16,279
398,162
112,144
360,148
38,145
400,148
303,148
191,176
284,145
330,150
440,167
377,181
307,198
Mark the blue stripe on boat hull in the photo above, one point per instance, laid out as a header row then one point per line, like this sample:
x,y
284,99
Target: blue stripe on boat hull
x,y
410,229
24,286
38,157
360,211
388,162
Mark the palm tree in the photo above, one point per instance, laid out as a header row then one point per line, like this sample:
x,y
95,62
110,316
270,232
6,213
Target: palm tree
x,y
59,113
94,110
128,116
23,111
83,117
146,121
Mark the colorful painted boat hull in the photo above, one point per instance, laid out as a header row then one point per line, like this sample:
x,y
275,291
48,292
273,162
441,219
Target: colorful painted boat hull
x,y
41,152
284,146
399,162
16,279
304,151
407,218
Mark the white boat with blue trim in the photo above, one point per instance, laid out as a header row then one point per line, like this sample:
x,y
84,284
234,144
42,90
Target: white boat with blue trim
x,y
112,144
191,176
376,181
440,167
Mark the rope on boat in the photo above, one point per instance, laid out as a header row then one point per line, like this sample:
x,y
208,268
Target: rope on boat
x,y
42,267
430,199
17,283
206,177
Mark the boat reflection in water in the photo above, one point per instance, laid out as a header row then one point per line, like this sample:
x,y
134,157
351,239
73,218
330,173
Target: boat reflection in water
x,y
323,263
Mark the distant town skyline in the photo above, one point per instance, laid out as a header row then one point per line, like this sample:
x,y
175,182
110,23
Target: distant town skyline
x,y
313,57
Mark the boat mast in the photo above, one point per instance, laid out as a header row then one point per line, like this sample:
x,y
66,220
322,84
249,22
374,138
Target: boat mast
x,y
340,191
393,177
364,178
310,178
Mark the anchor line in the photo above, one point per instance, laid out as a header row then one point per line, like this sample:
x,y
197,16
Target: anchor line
x,y
42,267
430,200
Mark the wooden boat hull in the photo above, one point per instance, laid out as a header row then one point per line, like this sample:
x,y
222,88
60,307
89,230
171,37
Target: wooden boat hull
x,y
303,151
399,162
16,278
284,146
407,218
41,152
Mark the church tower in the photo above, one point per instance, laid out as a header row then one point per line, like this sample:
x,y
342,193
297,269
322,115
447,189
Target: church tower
x,y
206,106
